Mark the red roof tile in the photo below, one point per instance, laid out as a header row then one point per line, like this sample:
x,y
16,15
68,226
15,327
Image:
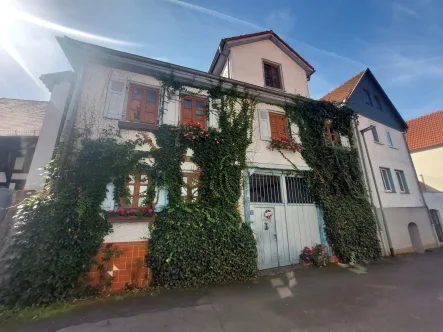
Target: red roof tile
x,y
21,117
270,32
425,131
343,91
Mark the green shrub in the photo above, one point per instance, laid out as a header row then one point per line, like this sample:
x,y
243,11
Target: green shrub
x,y
59,230
193,245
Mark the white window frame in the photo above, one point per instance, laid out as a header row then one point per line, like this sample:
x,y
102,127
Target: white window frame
x,y
389,137
388,186
402,186
375,134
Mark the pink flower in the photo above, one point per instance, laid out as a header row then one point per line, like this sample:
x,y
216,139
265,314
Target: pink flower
x,y
193,137
150,210
110,211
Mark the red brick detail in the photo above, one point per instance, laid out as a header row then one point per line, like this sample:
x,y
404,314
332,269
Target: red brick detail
x,y
131,268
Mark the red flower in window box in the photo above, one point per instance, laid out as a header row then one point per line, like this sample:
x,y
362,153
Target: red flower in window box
x,y
283,143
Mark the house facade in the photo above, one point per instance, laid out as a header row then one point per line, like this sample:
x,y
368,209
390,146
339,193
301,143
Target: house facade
x,y
402,215
123,91
425,142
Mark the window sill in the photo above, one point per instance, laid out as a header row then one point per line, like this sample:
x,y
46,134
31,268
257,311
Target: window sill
x,y
137,126
276,89
393,147
129,219
390,192
378,143
405,192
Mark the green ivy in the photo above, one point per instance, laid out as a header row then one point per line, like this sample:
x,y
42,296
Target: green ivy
x,y
194,245
336,181
60,230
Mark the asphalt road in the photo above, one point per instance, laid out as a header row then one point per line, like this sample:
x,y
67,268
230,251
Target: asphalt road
x,y
400,294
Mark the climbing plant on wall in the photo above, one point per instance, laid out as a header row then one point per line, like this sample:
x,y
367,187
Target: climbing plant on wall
x,y
59,230
206,241
336,180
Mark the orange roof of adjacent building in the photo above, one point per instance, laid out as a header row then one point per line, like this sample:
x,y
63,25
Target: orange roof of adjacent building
x,y
425,131
342,92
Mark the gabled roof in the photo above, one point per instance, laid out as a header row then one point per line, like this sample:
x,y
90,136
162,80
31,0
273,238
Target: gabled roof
x,y
21,117
425,131
343,93
225,43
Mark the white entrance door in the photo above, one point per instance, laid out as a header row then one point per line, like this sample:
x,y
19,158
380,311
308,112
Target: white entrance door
x,y
266,236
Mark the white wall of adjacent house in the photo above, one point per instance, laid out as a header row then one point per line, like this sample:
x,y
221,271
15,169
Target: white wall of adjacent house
x,y
393,158
247,66
48,136
428,164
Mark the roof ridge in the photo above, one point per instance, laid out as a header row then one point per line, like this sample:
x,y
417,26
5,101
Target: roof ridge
x,y
425,115
341,86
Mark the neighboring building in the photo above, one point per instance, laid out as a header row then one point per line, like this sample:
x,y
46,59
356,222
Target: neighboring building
x,y
425,141
394,189
107,91
20,125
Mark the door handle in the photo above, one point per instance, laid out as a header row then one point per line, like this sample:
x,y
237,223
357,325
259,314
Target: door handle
x,y
275,236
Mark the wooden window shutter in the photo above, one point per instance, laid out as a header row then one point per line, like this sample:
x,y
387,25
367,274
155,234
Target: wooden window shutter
x,y
143,103
295,133
114,99
109,202
213,116
264,124
279,125
193,109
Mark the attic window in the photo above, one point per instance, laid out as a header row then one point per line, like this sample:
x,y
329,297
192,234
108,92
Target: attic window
x,y
272,75
368,97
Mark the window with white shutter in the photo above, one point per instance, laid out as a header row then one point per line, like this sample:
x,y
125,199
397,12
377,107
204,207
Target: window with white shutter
x,y
265,127
114,99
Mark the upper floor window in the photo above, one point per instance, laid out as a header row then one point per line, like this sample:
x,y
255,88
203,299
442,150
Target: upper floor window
x,y
143,103
136,190
386,176
378,103
331,135
193,109
368,97
388,136
279,125
272,75
402,181
375,134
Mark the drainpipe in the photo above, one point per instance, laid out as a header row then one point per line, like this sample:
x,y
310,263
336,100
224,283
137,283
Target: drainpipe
x,y
247,199
365,172
388,236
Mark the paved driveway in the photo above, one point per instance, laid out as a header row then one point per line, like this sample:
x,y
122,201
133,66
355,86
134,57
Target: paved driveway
x,y
400,294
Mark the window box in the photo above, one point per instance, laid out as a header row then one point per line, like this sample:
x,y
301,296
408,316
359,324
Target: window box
x,y
119,219
284,143
131,215
137,126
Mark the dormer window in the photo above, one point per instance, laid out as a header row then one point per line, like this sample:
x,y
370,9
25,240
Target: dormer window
x,y
272,75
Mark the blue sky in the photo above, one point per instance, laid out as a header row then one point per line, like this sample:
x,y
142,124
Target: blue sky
x,y
400,40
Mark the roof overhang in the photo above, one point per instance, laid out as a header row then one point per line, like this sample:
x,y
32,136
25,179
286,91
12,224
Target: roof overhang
x,y
81,53
52,79
225,45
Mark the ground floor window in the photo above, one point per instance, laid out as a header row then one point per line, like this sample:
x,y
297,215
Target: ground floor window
x,y
190,188
297,192
136,189
265,188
